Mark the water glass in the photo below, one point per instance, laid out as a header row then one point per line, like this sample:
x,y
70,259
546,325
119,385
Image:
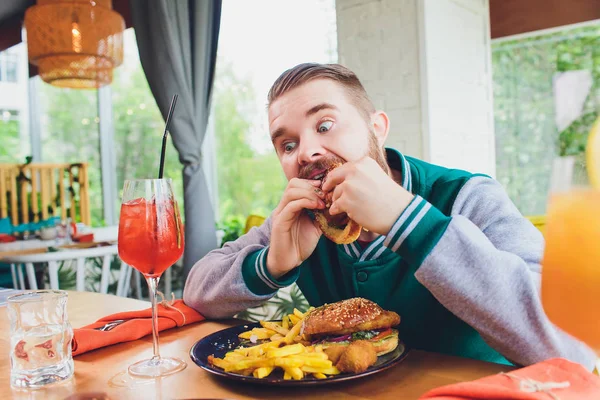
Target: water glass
x,y
40,338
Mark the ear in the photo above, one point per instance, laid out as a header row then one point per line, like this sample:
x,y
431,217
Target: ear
x,y
381,126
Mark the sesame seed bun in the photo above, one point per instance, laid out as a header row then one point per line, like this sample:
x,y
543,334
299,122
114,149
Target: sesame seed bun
x,y
346,235
348,316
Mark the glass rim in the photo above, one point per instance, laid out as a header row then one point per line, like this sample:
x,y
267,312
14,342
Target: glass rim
x,y
149,180
28,296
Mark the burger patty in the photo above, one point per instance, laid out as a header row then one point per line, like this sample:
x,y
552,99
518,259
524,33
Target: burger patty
x,y
337,221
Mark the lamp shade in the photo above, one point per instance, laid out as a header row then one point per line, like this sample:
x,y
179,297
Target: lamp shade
x,y
75,43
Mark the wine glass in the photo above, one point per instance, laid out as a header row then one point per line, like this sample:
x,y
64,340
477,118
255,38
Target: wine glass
x,y
571,266
151,240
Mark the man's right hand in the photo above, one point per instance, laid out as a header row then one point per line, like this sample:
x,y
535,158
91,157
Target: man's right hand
x,y
294,236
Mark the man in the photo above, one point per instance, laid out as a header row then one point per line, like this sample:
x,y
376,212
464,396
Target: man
x,y
445,249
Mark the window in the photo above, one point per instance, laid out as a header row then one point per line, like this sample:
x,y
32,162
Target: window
x,y
139,126
70,131
15,143
9,65
250,179
10,133
534,77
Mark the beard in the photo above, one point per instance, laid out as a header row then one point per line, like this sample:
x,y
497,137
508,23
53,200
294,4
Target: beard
x,y
378,153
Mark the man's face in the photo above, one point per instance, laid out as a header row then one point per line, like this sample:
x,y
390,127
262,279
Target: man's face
x,y
316,125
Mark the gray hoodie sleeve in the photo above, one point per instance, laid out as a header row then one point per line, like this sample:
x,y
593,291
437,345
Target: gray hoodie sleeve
x,y
486,270
215,286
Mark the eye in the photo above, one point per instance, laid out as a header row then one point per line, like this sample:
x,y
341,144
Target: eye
x,y
324,126
289,146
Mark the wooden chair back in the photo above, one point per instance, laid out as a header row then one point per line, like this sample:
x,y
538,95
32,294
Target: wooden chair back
x,y
36,191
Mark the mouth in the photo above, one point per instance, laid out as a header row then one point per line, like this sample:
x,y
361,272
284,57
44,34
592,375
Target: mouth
x,y
318,175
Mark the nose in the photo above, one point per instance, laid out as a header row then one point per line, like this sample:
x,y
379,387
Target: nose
x,y
310,149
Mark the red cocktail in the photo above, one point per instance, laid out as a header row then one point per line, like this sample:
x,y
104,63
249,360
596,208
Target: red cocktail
x,y
151,240
150,235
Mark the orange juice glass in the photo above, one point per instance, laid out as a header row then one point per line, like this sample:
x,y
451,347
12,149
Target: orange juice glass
x,y
571,262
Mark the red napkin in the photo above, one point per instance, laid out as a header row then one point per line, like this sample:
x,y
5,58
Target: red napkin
x,y
6,238
546,380
131,325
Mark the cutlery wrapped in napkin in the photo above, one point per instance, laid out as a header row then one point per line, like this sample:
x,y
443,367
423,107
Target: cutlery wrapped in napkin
x,y
131,325
553,379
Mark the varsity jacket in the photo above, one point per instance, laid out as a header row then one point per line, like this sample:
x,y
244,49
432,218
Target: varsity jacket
x,y
461,266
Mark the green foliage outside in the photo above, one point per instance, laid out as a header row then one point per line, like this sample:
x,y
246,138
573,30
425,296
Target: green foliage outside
x,y
526,135
11,143
249,182
71,134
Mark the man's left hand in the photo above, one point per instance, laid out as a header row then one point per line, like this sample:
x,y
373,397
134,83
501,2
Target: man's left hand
x,y
367,194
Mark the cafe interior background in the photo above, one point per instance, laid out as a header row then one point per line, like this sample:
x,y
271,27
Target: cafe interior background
x,y
493,86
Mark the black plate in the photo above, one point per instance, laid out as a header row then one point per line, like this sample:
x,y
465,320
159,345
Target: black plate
x,y
226,340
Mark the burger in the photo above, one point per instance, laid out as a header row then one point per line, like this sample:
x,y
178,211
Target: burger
x,y
357,319
338,228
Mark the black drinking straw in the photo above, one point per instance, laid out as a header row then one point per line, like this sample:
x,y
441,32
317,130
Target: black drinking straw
x,y
164,141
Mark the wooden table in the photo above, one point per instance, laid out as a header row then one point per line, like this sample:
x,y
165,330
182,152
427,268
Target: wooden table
x,y
419,372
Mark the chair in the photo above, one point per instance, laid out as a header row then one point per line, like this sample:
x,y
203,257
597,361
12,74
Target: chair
x,y
253,220
80,255
36,191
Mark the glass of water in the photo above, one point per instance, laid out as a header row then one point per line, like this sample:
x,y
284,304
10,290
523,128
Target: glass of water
x,y
40,338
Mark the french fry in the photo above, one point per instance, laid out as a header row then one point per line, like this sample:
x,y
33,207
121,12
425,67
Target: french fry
x,y
262,372
311,362
256,351
260,333
295,373
327,371
274,327
288,362
289,338
248,363
314,354
218,362
298,313
286,349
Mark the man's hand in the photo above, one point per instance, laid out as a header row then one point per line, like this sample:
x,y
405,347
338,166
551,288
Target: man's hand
x,y
367,194
294,236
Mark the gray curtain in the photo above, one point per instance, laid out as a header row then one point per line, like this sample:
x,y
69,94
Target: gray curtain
x,y
177,40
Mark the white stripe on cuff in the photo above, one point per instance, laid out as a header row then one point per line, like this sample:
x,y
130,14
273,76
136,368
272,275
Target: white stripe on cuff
x,y
411,227
403,217
259,266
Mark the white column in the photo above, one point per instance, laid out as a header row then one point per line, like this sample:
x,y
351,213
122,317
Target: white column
x,y
427,64
107,155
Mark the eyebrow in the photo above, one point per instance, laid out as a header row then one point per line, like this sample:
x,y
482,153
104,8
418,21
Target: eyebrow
x,y
319,107
278,132
313,110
